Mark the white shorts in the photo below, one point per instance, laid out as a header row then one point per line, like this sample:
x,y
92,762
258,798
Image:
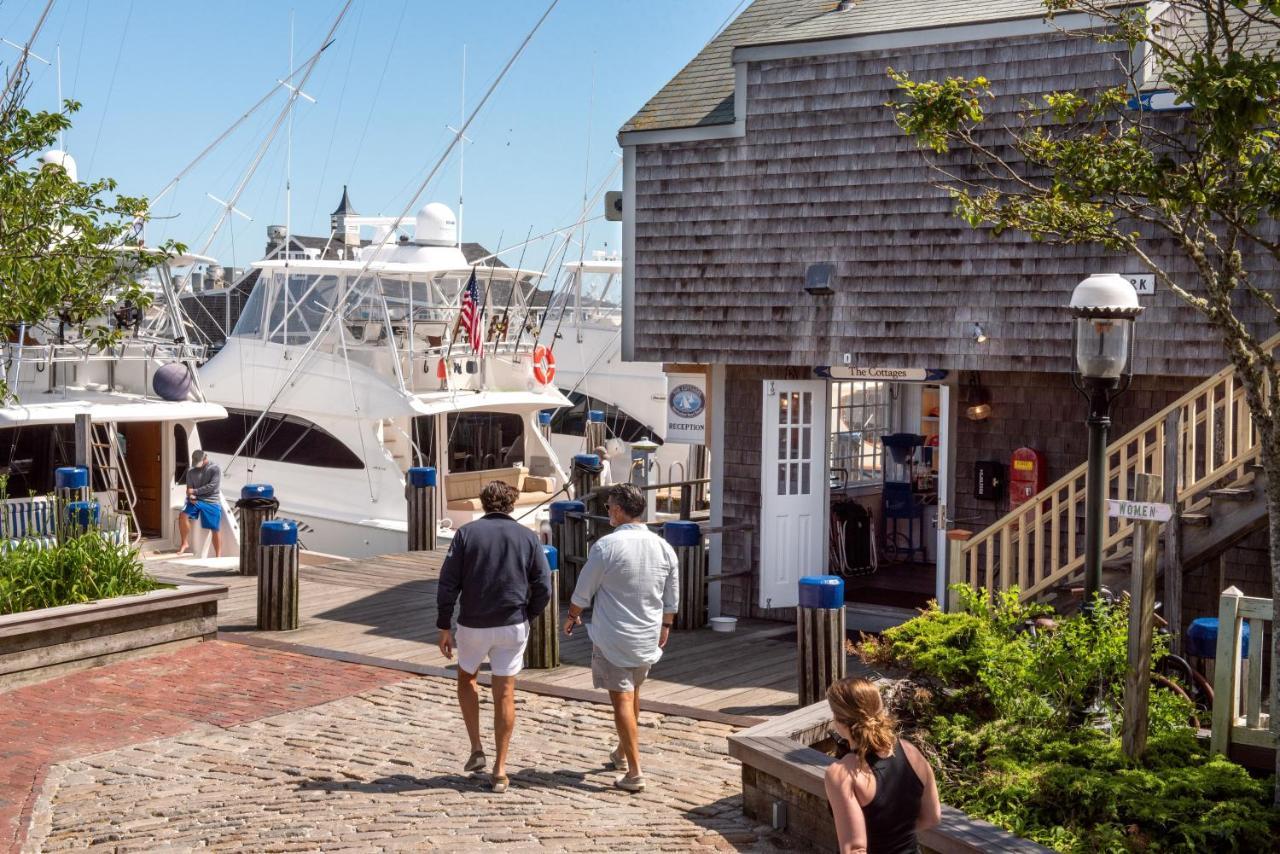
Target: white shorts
x,y
502,645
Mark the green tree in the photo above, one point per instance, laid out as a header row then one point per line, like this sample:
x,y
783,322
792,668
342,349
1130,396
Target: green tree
x,y
68,249
1083,168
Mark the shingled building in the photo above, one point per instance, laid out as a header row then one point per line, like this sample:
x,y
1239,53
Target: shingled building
x,y
780,230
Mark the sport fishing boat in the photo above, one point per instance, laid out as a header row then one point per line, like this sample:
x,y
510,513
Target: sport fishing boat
x,y
342,373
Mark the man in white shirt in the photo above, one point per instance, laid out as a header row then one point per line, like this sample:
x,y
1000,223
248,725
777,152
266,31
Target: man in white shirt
x,y
631,581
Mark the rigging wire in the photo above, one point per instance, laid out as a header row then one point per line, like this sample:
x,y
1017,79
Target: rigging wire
x,y
377,90
106,104
310,349
337,116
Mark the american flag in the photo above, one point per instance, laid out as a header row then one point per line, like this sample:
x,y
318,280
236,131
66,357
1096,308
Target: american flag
x,y
469,317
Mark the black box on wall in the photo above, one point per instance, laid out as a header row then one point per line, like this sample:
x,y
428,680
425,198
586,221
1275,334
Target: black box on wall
x,y
988,480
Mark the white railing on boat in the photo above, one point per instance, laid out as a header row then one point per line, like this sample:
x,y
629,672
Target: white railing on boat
x,y
126,351
1231,723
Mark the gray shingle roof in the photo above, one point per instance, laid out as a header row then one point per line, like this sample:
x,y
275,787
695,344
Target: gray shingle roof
x,y
702,92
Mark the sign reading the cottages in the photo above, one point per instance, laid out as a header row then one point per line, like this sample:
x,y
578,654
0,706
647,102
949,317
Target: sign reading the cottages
x,y
901,375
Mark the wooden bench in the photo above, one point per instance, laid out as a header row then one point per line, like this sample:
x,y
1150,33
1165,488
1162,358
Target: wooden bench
x,y
1233,724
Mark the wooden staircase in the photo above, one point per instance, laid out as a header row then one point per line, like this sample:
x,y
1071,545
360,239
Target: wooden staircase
x,y
1204,447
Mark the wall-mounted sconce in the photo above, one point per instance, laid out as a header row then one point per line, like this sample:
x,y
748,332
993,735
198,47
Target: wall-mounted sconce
x,y
979,334
978,400
817,279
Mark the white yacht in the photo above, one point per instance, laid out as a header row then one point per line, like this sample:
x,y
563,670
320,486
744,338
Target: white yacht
x,y
341,374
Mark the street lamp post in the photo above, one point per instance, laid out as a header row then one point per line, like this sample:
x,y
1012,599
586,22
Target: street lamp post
x,y
1103,308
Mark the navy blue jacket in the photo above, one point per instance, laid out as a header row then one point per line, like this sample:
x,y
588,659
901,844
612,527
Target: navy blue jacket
x,y
497,568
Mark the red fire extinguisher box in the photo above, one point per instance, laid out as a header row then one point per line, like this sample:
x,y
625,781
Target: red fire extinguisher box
x,y
1027,476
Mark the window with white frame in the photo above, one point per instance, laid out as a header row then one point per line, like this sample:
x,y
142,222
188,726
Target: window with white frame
x,y
859,417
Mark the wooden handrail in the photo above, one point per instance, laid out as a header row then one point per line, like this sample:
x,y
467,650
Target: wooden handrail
x,y
1037,545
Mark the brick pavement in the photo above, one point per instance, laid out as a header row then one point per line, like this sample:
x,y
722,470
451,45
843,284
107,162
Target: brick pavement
x,y
208,685
381,770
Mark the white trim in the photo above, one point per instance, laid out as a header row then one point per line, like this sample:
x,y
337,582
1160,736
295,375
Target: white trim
x,y
916,38
715,558
628,253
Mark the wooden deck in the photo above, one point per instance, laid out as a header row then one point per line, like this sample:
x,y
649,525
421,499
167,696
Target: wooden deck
x,y
384,607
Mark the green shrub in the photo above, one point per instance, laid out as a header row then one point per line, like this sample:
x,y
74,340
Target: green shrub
x,y
83,569
1026,728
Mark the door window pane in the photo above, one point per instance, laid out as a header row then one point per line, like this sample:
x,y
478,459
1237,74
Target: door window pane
x,y
859,416
808,408
804,478
782,478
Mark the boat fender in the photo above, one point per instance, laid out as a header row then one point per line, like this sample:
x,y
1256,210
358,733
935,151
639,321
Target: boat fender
x,y
544,365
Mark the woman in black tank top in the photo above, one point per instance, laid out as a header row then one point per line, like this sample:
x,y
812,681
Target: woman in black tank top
x,y
883,790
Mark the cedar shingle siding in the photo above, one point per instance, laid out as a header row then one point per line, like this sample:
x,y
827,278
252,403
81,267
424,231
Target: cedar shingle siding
x,y
725,229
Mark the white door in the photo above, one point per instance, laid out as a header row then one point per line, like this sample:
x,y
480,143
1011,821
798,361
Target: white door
x,y
793,488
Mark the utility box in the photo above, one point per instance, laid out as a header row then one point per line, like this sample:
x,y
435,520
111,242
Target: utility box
x,y
989,480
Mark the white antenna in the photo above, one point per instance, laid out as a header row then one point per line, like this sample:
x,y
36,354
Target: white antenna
x,y
288,152
230,207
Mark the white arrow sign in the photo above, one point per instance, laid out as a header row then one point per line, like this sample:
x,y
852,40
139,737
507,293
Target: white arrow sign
x,y
1141,511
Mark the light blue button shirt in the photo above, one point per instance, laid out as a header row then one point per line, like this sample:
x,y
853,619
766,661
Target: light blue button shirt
x,y
632,577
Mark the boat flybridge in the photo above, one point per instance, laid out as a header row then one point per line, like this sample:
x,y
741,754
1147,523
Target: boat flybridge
x,y
144,409
342,374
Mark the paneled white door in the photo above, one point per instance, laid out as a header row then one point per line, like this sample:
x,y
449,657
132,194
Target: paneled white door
x,y
793,488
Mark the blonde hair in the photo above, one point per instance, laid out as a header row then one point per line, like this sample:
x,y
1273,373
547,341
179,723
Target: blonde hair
x,y
856,703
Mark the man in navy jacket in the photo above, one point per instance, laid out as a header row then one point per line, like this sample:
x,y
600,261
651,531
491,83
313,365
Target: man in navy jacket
x,y
498,574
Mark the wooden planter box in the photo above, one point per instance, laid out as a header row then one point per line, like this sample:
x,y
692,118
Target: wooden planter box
x,y
48,642
782,786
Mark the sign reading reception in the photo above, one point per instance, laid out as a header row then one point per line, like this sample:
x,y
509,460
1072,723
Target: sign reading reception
x,y
687,409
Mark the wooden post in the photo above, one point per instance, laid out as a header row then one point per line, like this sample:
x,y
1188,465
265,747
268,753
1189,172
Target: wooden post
x,y
595,432
278,576
956,574
585,474
1172,559
564,537
686,539
1226,671
819,636
420,493
257,504
1142,620
543,650
70,487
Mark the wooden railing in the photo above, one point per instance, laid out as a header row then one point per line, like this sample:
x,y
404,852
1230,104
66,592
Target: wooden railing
x,y
1230,674
1041,544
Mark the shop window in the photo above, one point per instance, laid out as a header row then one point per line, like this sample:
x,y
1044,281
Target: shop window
x,y
279,438
859,417
618,424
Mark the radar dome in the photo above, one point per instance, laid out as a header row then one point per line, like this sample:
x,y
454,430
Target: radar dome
x,y
55,157
436,226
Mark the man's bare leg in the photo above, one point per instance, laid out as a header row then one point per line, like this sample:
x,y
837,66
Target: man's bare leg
x,y
216,536
504,720
184,532
625,706
469,702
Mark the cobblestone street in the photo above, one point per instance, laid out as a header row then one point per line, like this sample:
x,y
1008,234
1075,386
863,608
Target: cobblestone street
x,y
382,770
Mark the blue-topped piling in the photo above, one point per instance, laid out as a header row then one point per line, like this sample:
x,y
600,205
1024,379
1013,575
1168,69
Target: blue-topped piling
x,y
278,575
820,637
420,497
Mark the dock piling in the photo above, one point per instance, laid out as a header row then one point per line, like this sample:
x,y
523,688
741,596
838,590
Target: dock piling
x,y
420,492
543,649
568,536
820,636
257,504
686,538
278,576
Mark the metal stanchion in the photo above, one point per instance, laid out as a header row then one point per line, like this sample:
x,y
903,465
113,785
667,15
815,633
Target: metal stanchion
x,y
257,504
420,491
642,473
543,649
686,539
820,636
278,576
568,539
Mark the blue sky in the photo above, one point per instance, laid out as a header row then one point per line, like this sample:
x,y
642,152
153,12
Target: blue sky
x,y
160,79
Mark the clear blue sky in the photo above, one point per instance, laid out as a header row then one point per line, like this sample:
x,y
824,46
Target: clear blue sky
x,y
160,79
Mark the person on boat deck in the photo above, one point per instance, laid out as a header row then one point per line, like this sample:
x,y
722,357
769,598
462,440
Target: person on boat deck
x,y
883,790
631,580
204,485
606,471
497,572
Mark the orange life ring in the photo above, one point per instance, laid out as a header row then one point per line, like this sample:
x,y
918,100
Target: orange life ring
x,y
544,365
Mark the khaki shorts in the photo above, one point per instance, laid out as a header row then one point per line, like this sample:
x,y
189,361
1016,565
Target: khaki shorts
x,y
611,677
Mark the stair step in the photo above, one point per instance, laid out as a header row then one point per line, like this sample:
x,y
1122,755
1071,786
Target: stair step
x,y
1199,520
1232,493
